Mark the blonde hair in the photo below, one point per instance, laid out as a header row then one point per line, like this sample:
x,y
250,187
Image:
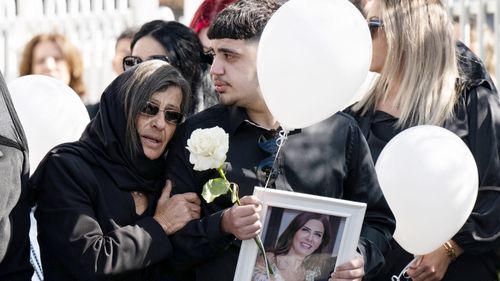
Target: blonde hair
x,y
420,67
69,52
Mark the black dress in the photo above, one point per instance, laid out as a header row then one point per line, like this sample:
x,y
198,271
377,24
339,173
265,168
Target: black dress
x,y
477,123
88,228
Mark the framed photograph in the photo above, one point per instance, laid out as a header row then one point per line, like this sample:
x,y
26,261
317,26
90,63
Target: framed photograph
x,y
304,236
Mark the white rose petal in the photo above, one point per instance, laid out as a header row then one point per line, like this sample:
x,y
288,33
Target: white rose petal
x,y
208,148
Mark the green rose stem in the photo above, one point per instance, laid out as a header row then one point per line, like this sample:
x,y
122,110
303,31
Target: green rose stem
x,y
256,238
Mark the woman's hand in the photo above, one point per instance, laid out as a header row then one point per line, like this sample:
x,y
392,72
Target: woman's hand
x,y
173,213
433,266
350,270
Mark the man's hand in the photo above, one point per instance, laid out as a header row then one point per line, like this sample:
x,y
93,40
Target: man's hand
x,y
173,213
243,221
350,270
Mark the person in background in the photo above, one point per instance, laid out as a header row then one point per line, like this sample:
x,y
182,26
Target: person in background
x,y
413,42
104,207
15,198
297,254
122,49
176,43
334,149
52,54
203,17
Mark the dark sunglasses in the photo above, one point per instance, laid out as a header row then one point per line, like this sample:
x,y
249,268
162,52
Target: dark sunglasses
x,y
172,117
265,169
374,24
131,61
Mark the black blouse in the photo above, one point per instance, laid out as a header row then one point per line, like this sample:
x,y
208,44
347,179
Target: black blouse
x,y
88,228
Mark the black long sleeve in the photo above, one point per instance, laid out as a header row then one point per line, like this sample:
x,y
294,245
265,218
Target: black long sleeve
x,y
88,228
481,232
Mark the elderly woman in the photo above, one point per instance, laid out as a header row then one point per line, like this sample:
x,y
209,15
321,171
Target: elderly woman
x,y
104,207
428,78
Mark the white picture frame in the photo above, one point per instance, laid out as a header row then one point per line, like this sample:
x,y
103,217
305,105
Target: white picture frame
x,y
346,218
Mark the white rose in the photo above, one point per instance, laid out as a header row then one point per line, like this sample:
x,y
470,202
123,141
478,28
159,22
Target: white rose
x,y
208,148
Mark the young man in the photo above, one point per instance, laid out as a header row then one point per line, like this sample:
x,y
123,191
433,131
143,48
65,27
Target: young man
x,y
328,159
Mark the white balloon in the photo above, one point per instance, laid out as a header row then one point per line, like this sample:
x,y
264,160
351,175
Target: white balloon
x,y
50,111
312,58
430,181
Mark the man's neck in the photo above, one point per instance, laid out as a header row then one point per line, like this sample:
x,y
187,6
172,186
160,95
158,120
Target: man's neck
x,y
263,118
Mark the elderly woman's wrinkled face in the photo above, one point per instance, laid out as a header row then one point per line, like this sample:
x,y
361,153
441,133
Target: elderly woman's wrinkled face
x,y
308,238
156,130
379,41
48,60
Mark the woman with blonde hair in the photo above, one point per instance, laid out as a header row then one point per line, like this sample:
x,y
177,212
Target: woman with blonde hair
x,y
52,54
428,78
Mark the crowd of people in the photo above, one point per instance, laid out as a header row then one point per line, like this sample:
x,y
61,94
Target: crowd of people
x,y
124,201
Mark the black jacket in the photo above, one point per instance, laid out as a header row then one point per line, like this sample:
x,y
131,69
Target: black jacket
x,y
330,159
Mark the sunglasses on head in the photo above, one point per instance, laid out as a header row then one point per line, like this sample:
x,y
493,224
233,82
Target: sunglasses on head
x,y
374,24
131,61
172,117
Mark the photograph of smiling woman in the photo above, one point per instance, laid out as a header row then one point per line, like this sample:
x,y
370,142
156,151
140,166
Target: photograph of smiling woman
x,y
299,251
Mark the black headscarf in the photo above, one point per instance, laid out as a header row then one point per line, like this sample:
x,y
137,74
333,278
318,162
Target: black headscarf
x,y
103,144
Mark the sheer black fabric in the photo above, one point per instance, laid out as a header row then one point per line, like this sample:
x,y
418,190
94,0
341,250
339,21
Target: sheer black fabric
x,y
14,193
477,122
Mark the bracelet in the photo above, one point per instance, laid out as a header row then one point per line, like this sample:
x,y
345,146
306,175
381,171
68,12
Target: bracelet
x,y
450,251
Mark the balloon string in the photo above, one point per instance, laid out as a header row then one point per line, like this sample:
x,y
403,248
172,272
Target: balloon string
x,y
283,135
403,272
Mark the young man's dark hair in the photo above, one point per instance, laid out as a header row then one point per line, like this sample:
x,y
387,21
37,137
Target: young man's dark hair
x,y
244,19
